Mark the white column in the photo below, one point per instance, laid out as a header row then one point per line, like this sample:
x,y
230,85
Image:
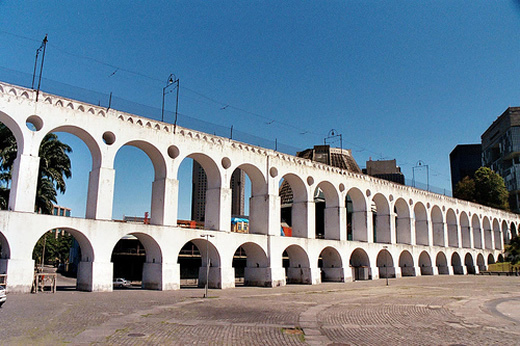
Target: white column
x,y
218,209
95,276
164,202
361,225
335,223
264,214
161,276
20,274
303,219
23,183
100,196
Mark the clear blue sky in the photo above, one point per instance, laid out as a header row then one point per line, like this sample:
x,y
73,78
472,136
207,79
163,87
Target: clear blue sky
x,y
398,79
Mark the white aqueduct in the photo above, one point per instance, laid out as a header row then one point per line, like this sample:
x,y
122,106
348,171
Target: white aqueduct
x,y
417,233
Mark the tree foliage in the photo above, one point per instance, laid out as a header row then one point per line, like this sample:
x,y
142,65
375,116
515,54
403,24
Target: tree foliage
x,y
55,167
513,250
57,248
486,187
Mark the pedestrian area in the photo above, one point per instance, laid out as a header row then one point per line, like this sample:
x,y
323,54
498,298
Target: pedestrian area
x,y
441,310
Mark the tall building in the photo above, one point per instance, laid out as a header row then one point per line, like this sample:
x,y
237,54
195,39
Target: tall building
x,y
200,185
465,159
501,152
385,169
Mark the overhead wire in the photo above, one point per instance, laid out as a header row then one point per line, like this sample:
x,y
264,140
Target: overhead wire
x,y
223,105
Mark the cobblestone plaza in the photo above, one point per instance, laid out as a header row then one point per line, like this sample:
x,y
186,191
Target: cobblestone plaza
x,y
441,310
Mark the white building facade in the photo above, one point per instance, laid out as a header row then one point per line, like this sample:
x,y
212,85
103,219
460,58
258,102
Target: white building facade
x,y
396,230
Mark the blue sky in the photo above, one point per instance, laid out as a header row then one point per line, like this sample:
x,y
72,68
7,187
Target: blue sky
x,y
398,79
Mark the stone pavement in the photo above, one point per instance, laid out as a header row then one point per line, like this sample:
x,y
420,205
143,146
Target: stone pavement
x,y
440,310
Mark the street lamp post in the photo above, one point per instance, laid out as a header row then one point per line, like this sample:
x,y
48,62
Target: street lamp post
x,y
172,79
207,236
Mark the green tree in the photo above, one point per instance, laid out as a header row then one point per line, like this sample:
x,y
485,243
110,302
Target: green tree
x,y
490,189
54,168
513,250
465,189
486,187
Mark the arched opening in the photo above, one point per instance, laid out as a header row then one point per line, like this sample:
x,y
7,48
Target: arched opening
x,y
66,253
331,265
421,224
127,173
251,265
468,262
327,212
190,262
85,160
402,222
438,226
406,264
356,215
456,263
296,264
513,230
442,264
496,235
500,259
506,233
10,139
465,230
381,219
481,263
490,259
248,188
5,255
295,208
199,193
477,232
197,259
451,220
137,258
425,263
488,234
385,264
360,264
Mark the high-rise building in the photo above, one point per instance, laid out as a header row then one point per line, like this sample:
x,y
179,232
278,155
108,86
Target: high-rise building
x,y
501,152
200,185
385,169
465,159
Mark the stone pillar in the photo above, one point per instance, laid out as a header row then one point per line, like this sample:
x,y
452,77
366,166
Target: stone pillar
x,y
219,277
471,238
161,276
374,271
303,220
398,273
95,276
403,229
164,202
218,209
264,216
23,183
20,274
100,195
335,223
360,226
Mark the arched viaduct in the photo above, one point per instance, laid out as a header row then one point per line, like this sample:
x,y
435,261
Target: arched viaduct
x,y
395,230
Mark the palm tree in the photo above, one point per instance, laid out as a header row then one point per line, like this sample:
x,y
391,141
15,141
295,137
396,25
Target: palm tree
x,y
54,168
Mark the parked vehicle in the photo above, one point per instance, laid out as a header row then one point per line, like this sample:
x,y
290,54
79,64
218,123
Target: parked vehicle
x,y
3,297
120,282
